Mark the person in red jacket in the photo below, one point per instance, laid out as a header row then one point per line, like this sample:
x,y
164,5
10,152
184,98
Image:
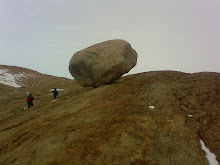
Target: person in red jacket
x,y
30,99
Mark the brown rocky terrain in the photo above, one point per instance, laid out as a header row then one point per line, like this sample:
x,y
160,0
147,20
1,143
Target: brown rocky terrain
x,y
112,124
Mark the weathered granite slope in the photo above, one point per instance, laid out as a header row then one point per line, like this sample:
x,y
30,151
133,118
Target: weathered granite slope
x,y
113,124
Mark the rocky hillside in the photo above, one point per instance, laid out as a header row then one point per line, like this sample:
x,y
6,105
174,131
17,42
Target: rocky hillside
x,y
153,118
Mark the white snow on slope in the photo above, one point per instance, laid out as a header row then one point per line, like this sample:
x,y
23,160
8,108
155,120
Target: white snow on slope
x,y
54,100
210,156
152,107
7,78
57,89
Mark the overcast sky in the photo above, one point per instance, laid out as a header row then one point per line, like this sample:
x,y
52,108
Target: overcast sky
x,y
181,35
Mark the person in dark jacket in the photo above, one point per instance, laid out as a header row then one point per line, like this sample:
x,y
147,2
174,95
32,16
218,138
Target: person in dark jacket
x,y
55,93
30,99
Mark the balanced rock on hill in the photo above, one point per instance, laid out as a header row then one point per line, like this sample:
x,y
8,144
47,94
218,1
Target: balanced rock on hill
x,y
102,63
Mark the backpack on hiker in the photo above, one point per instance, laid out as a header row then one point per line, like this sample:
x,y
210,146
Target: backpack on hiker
x,y
29,99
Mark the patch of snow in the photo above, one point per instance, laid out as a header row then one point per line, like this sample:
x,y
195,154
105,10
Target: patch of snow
x,y
9,79
54,100
20,75
152,107
57,89
190,115
2,71
210,156
25,108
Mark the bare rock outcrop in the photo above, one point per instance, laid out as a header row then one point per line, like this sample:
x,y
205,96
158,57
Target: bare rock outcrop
x,y
102,63
153,118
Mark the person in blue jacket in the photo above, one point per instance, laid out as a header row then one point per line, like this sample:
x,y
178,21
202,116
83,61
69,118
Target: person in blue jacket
x,y
55,93
30,99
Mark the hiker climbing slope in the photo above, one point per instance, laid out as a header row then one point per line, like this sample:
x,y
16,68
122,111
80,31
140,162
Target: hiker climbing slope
x,y
30,99
55,93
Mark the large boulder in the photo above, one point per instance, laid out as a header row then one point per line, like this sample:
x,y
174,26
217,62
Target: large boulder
x,y
102,63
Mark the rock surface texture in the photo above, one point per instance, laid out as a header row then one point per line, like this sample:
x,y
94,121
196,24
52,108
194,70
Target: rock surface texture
x,y
114,124
102,63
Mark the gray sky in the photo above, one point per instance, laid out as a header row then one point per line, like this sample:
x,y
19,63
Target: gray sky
x,y
182,35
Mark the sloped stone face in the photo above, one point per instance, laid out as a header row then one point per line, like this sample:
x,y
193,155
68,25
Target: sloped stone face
x,y
113,124
102,63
